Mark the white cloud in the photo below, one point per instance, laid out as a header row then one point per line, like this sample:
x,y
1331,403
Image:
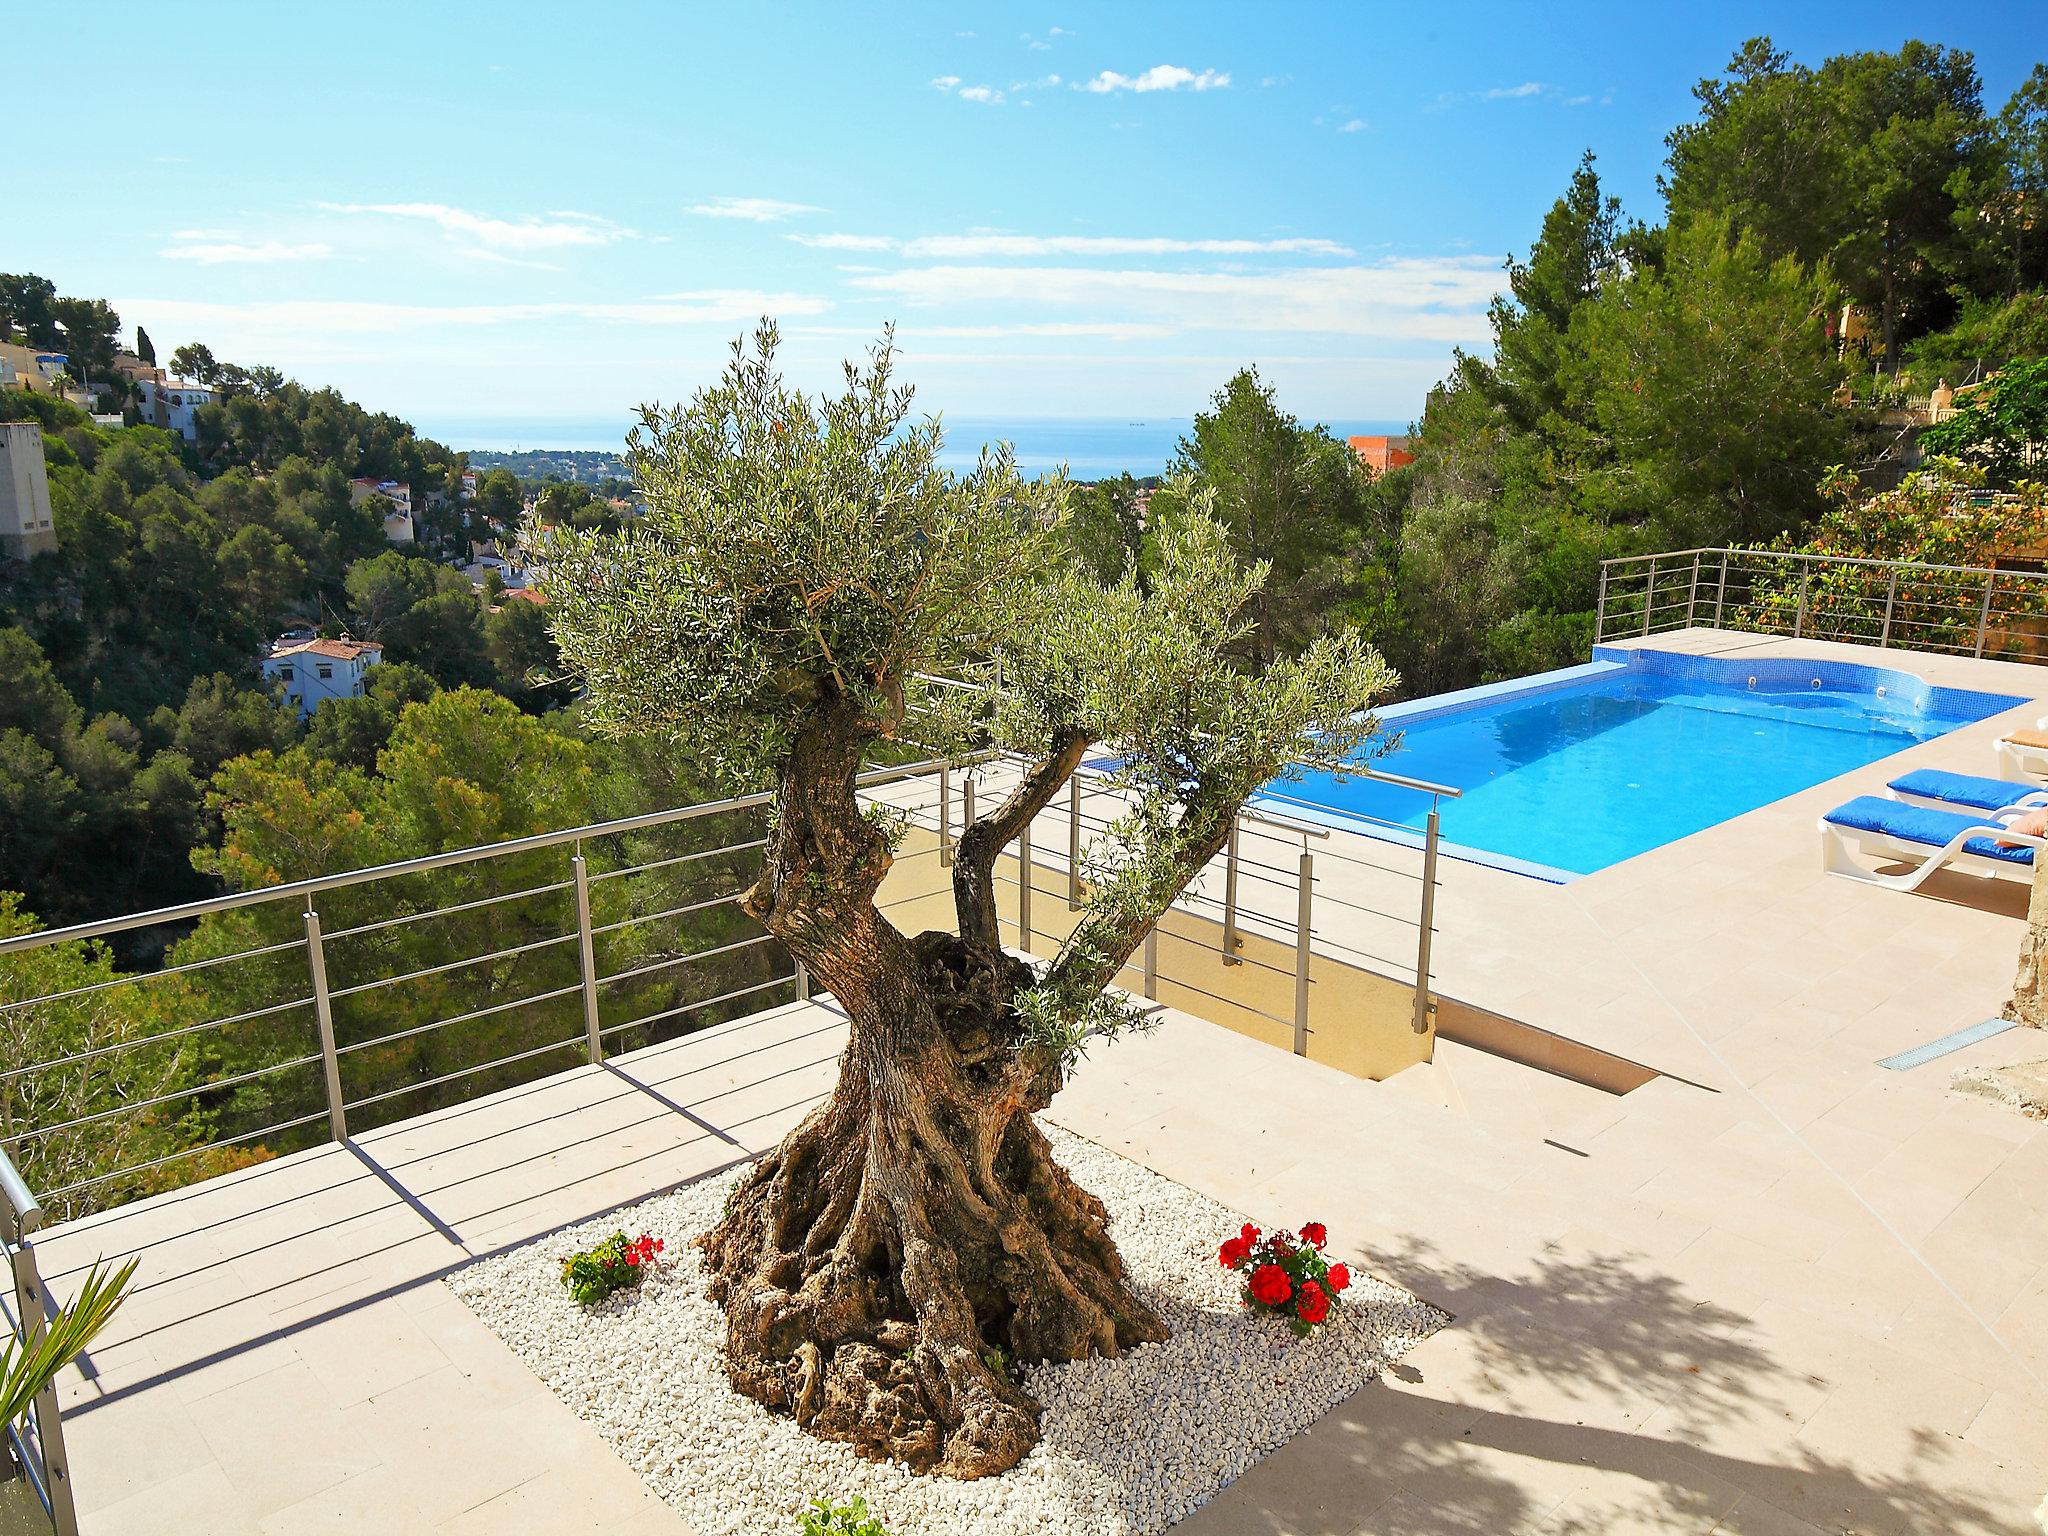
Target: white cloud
x,y
757,210
197,245
1442,299
550,233
1160,77
1514,92
956,247
1355,125
946,82
845,242
1114,330
988,96
262,324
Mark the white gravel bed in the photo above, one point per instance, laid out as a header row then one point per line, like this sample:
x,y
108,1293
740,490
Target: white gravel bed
x,y
1130,1445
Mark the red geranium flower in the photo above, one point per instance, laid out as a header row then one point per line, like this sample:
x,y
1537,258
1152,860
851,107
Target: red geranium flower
x,y
1234,1252
1340,1277
1270,1285
1315,1234
1313,1306
1249,1233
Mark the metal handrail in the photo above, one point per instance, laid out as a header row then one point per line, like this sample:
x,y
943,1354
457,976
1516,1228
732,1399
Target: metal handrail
x,y
425,864
1800,554
1917,604
48,1466
329,1052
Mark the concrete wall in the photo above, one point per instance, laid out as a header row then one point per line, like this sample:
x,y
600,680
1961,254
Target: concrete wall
x,y
26,525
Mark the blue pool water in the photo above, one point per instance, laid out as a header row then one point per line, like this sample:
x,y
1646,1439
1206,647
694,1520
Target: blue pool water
x,y
1569,772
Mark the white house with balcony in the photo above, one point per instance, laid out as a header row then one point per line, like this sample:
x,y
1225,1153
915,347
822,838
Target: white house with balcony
x,y
311,672
173,404
398,524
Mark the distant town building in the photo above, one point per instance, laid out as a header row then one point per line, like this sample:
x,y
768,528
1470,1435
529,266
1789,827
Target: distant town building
x,y
30,368
313,671
1380,454
173,404
398,524
26,527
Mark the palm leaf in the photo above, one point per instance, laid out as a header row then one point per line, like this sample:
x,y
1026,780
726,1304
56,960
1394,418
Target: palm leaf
x,y
26,1370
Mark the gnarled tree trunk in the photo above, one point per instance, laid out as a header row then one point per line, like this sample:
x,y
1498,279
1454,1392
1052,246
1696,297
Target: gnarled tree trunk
x,y
885,1269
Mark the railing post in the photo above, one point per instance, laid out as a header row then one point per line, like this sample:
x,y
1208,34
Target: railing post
x,y
803,982
1024,887
1649,594
1692,593
1427,920
1152,962
945,815
1304,901
323,1016
1721,592
1984,613
1600,608
1891,596
586,956
967,802
1074,843
1230,896
31,1306
1805,585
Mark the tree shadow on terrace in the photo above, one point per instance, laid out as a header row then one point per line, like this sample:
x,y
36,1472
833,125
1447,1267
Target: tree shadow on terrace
x,y
1598,1396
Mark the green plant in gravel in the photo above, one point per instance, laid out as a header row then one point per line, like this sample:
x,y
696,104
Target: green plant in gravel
x,y
828,1517
26,1370
616,1264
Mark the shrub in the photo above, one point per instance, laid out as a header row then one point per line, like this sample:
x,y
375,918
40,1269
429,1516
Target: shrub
x,y
1287,1276
615,1264
827,1517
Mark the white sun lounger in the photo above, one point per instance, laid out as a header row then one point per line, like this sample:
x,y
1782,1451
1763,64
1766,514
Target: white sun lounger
x,y
2023,753
1930,840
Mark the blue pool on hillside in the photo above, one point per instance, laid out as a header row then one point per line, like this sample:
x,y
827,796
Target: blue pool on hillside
x,y
1568,772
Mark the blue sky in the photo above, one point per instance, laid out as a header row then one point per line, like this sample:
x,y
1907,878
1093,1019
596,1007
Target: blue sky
x,y
528,214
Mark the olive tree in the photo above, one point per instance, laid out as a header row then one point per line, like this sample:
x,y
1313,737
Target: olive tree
x,y
801,566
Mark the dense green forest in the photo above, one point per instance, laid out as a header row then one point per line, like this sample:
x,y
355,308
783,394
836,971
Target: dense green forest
x,y
1834,239
1668,382
142,763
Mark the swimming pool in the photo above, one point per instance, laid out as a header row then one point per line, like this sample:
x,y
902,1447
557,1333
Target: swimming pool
x,y
1568,772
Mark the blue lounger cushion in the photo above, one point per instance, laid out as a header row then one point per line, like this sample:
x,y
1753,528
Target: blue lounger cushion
x,y
1962,788
1920,824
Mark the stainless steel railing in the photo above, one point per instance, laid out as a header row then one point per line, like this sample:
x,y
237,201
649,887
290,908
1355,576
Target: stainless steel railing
x,y
321,1022
316,1017
38,1441
1384,887
1912,605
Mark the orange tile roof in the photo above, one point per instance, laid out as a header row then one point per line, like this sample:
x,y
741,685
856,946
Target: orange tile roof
x,y
339,650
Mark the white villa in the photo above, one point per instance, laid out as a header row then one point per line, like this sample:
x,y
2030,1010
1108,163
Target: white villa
x,y
313,671
173,404
398,524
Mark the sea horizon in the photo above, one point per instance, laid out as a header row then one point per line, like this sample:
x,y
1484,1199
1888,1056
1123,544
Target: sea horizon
x,y
1091,447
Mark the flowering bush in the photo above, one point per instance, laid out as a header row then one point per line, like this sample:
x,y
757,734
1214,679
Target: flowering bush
x,y
1286,1275
613,1265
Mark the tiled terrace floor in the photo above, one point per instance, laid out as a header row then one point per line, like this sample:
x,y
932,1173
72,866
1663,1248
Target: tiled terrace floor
x,y
1779,1290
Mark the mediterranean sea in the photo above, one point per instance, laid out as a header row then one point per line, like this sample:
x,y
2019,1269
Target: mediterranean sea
x,y
1092,447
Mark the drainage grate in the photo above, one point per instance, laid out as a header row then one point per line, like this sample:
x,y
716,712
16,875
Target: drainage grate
x,y
1933,1050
